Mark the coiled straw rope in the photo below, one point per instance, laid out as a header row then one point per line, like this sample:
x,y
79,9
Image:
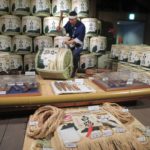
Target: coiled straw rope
x,y
117,111
47,119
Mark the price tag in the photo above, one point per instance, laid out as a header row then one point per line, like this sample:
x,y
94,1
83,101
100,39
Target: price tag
x,y
96,134
93,108
105,79
141,139
33,123
70,145
130,81
2,92
19,83
125,110
107,132
104,120
48,148
79,81
30,73
119,130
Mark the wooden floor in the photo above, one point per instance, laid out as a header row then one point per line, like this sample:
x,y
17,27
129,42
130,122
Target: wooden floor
x,y
13,127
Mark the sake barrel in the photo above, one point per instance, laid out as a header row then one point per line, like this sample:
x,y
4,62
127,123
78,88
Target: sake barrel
x,y
115,51
86,44
4,63
98,44
61,5
50,25
10,25
5,43
4,7
16,64
81,7
59,41
42,42
41,7
29,62
145,59
90,25
134,57
22,44
20,7
124,52
54,63
31,25
88,61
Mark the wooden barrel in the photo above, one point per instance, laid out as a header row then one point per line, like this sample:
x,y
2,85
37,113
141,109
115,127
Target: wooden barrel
x,y
5,43
22,44
61,5
10,25
86,44
88,61
124,52
91,26
145,58
29,62
81,7
135,55
5,63
50,25
16,64
31,25
59,41
20,7
42,42
54,63
41,7
4,7
115,51
98,44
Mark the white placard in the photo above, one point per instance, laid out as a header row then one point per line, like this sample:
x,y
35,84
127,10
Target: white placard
x,y
33,123
70,145
107,132
125,110
96,134
93,108
30,73
2,92
130,81
119,130
141,139
79,81
47,148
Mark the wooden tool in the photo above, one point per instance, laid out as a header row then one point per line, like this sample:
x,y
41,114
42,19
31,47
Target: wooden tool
x,y
60,19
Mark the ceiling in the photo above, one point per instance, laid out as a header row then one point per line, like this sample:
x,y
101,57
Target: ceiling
x,y
141,6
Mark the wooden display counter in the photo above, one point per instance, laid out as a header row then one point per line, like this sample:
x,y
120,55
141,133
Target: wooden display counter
x,y
48,97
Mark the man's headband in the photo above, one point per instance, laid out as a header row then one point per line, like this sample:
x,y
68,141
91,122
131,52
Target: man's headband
x,y
72,17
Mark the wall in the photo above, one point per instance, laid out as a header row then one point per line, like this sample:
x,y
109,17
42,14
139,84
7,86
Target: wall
x,y
113,17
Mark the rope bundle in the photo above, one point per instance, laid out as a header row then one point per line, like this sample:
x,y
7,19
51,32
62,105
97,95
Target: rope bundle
x,y
47,119
116,110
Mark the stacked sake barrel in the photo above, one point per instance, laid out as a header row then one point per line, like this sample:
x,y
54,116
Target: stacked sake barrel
x,y
135,55
29,26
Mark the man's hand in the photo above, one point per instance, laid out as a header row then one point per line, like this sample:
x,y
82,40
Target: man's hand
x,y
70,42
58,28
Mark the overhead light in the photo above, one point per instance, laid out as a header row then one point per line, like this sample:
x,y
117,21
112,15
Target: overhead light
x,y
131,16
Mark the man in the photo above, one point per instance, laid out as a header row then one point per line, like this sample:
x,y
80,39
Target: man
x,y
76,31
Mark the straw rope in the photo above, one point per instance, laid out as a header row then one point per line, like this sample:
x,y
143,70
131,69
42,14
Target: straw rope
x,y
48,118
116,110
